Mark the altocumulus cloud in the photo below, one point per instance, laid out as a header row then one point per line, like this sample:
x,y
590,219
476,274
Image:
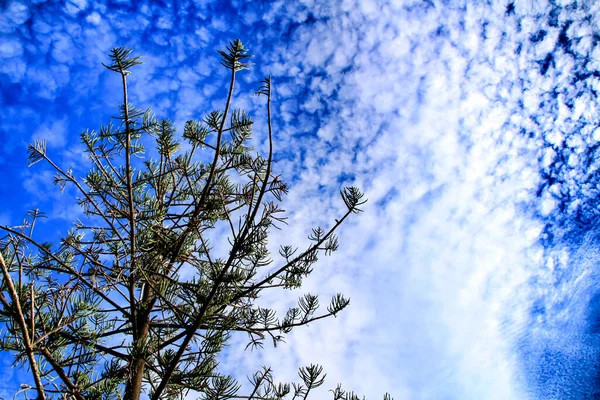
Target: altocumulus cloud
x,y
472,129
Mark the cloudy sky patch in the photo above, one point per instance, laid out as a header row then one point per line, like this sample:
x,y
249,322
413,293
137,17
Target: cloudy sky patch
x,y
473,130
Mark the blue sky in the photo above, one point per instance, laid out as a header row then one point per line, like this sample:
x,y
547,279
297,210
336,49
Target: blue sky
x,y
472,126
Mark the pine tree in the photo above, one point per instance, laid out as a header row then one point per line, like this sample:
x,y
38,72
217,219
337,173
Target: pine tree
x,y
106,314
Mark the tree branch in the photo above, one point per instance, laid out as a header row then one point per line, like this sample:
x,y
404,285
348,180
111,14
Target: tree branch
x,y
27,339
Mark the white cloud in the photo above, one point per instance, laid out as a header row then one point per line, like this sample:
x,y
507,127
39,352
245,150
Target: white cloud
x,y
54,133
203,34
10,48
94,18
17,12
15,69
63,49
165,22
219,24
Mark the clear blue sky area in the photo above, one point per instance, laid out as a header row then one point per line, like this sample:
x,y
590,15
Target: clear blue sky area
x,y
473,127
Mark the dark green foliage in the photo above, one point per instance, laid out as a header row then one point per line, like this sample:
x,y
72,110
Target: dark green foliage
x,y
107,313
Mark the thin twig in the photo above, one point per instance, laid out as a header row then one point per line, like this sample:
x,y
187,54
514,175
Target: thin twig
x,y
23,325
